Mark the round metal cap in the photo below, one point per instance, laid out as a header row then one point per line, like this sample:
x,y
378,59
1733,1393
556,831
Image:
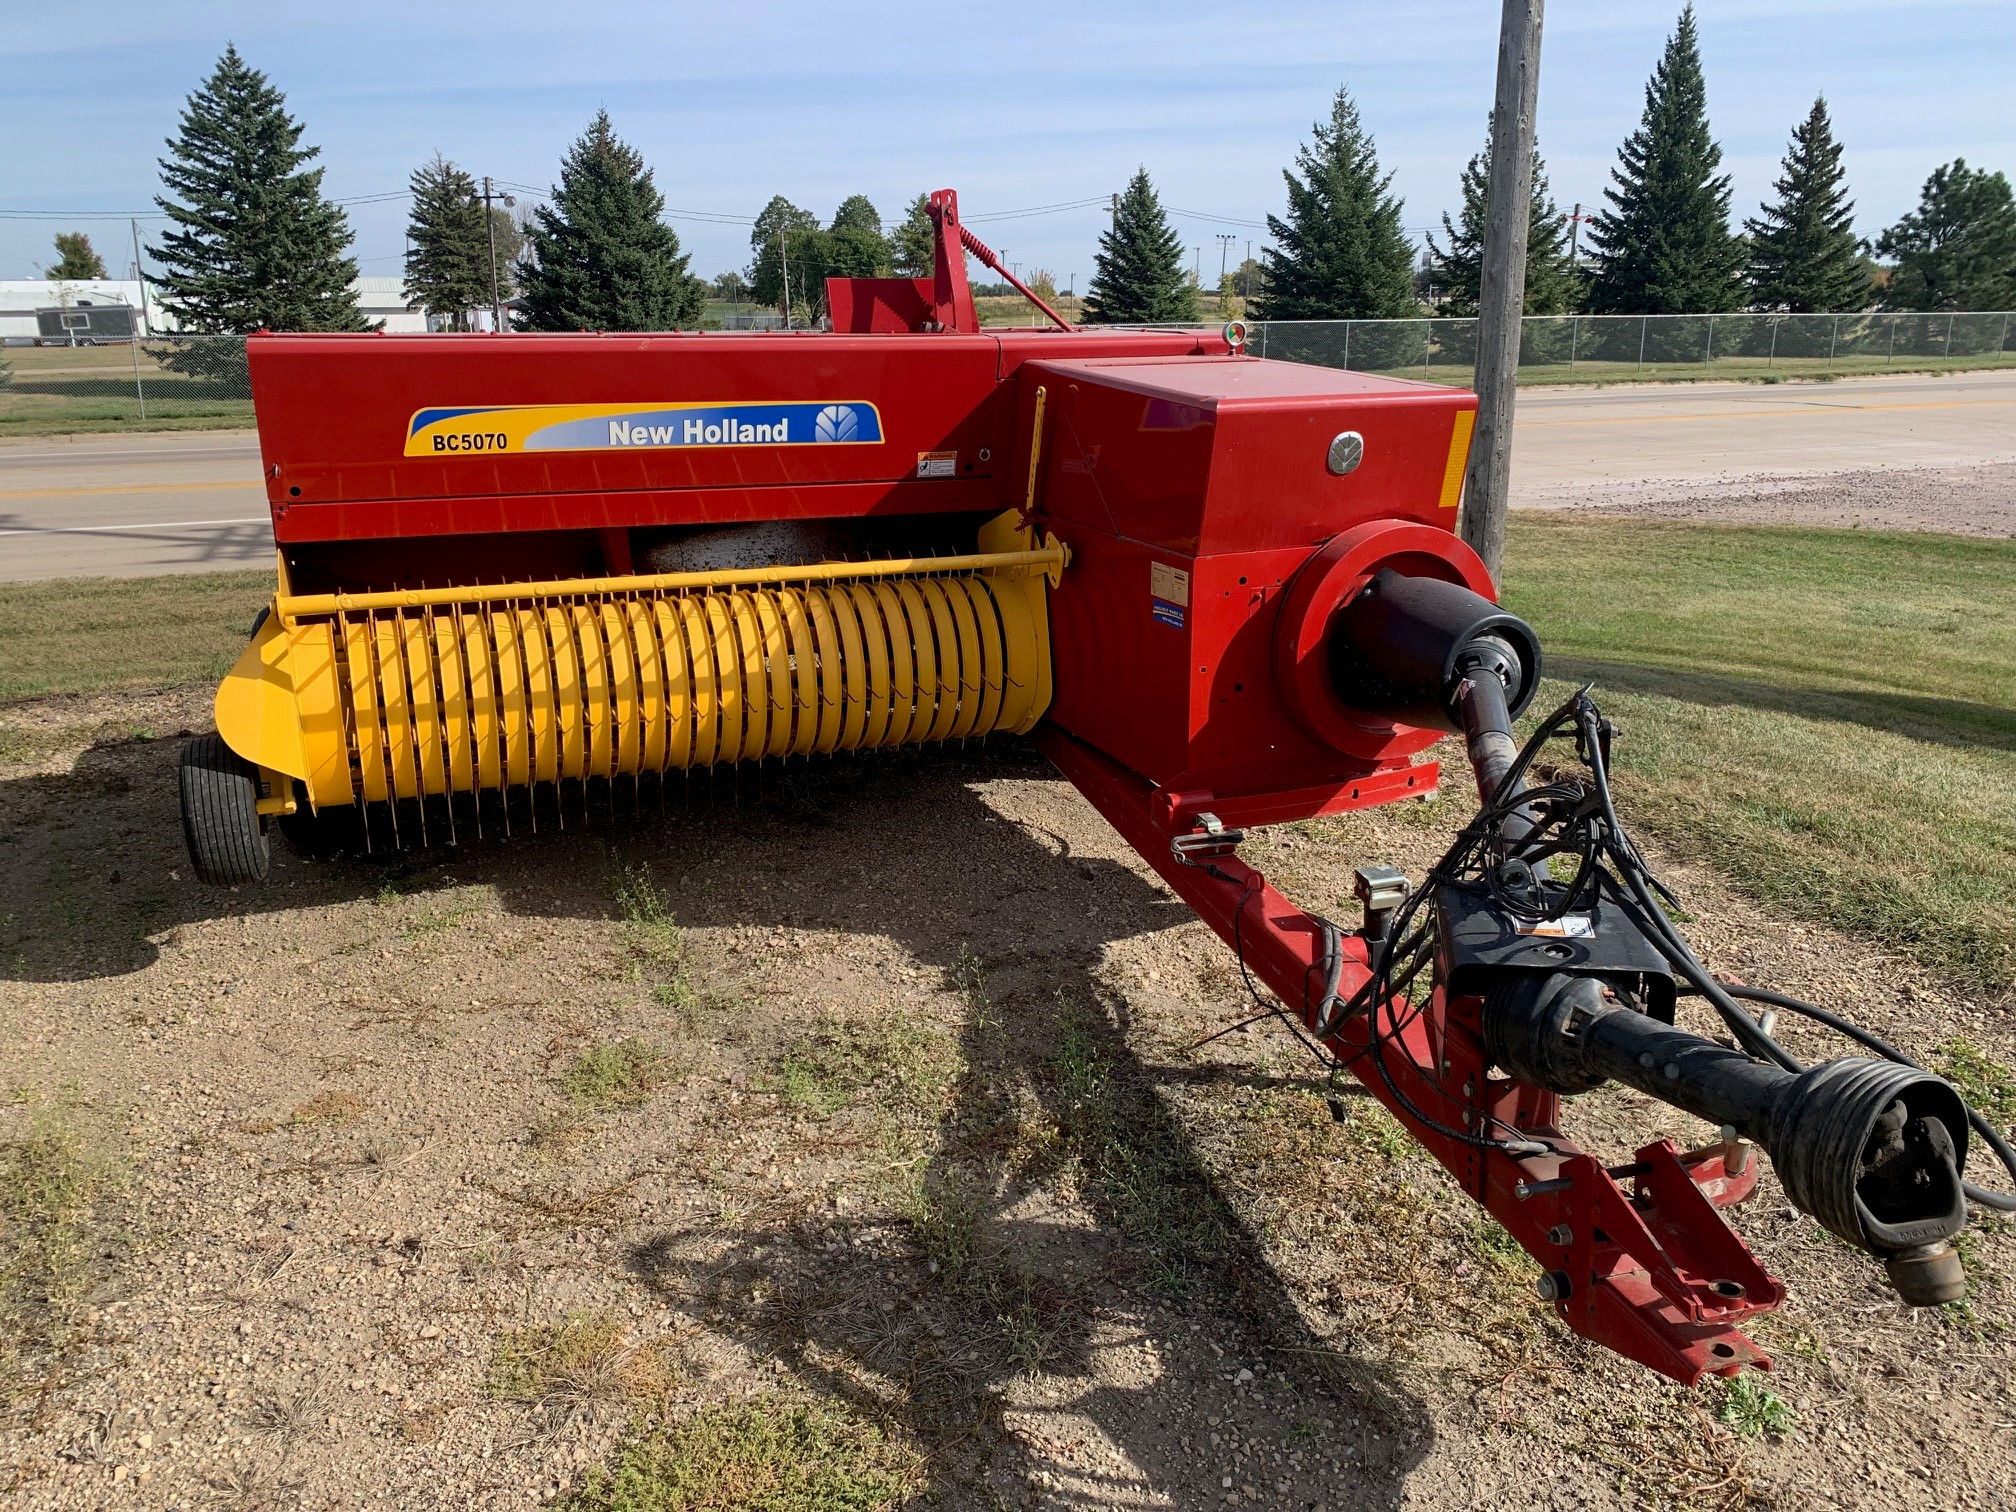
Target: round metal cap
x,y
1346,452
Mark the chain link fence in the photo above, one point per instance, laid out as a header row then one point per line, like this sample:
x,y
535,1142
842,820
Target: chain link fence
x,y
1595,348
157,381
174,381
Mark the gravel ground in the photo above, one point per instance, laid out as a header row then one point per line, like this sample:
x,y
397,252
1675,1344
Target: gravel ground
x,y
926,1142
1976,501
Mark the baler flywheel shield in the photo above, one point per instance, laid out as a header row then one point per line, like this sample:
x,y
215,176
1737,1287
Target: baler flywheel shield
x,y
377,697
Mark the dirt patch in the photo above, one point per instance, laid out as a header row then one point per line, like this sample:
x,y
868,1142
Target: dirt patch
x,y
1975,501
848,1106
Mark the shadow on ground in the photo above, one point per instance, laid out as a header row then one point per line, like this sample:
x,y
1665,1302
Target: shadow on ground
x,y
997,1287
1940,721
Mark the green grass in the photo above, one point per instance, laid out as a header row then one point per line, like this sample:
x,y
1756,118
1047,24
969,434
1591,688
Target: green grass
x,y
79,635
1988,1086
623,1074
53,390
768,1454
900,1064
57,1184
1824,714
1753,1409
586,1356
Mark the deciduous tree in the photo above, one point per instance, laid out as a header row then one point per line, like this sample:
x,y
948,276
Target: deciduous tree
x,y
913,244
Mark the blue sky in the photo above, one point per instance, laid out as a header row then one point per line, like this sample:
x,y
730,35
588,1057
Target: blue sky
x,y
1013,106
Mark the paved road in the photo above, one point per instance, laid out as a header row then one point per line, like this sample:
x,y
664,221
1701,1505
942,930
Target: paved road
x,y
1574,445
130,505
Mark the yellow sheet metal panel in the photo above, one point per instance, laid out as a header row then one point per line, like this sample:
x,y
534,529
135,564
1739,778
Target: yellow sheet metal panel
x,y
256,708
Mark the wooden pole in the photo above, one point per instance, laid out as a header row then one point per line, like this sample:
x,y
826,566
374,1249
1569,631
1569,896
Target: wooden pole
x,y
1502,293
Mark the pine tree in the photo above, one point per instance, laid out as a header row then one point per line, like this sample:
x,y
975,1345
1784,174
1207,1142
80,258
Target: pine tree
x,y
1341,253
1665,244
598,258
76,258
1138,277
1804,254
448,245
1957,251
913,244
254,242
778,240
1551,285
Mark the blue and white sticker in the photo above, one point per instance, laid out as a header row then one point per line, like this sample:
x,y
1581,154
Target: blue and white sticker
x,y
1169,594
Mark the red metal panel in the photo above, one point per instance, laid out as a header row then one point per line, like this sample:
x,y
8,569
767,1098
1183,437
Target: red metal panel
x,y
1206,481
335,412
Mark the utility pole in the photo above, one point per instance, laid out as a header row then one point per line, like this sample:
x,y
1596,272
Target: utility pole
x,y
140,276
1225,240
784,253
1575,234
490,232
1501,297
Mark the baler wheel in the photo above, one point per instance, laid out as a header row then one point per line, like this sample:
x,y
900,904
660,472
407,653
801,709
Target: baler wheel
x,y
220,814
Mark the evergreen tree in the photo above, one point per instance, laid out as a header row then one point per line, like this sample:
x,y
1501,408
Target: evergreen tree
x,y
599,258
1665,243
778,239
913,244
1551,285
1341,253
1957,251
1804,254
253,243
76,258
448,245
1138,277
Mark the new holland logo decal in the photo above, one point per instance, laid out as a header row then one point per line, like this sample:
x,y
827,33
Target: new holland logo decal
x,y
631,427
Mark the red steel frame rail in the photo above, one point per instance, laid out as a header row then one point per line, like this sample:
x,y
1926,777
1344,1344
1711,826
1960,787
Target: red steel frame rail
x,y
1651,1272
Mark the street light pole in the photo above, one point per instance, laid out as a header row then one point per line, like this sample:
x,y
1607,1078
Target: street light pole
x,y
490,233
1502,293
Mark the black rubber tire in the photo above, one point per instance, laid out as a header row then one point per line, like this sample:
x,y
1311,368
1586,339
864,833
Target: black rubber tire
x,y
220,814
